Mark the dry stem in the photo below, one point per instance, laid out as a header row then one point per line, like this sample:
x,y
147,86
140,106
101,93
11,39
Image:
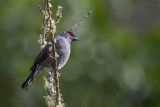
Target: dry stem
x,y
49,27
56,78
78,23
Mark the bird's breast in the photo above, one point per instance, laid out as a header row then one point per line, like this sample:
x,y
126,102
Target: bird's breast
x,y
63,56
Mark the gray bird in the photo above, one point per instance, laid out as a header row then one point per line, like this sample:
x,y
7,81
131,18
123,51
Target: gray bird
x,y
44,61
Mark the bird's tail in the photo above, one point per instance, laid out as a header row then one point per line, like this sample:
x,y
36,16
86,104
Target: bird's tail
x,y
30,78
28,81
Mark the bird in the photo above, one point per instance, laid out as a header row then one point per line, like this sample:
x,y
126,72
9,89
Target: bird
x,y
44,60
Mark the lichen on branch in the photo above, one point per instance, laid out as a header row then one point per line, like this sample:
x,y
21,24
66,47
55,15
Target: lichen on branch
x,y
53,99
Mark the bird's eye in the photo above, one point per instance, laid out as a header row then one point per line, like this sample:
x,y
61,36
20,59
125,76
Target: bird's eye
x,y
70,34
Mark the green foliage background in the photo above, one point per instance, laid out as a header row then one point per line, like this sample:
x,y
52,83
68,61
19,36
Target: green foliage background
x,y
116,63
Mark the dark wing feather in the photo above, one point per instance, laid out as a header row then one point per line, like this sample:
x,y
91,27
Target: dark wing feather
x,y
42,56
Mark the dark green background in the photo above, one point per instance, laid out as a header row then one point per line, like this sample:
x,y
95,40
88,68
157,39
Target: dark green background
x,y
116,63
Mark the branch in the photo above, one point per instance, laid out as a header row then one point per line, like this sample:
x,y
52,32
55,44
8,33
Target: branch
x,y
52,31
49,27
59,14
78,23
42,40
50,89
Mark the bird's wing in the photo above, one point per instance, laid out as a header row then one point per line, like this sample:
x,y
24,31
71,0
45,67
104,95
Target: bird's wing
x,y
42,56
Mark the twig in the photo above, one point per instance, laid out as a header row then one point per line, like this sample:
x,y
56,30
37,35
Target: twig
x,y
48,27
59,14
49,79
42,40
52,32
78,23
44,25
50,89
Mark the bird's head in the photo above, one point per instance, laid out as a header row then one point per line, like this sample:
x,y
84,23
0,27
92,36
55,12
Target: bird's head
x,y
70,36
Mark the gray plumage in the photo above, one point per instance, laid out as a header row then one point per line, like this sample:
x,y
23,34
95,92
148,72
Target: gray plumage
x,y
44,60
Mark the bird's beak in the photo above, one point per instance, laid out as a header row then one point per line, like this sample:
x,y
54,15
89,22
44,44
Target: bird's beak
x,y
76,39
